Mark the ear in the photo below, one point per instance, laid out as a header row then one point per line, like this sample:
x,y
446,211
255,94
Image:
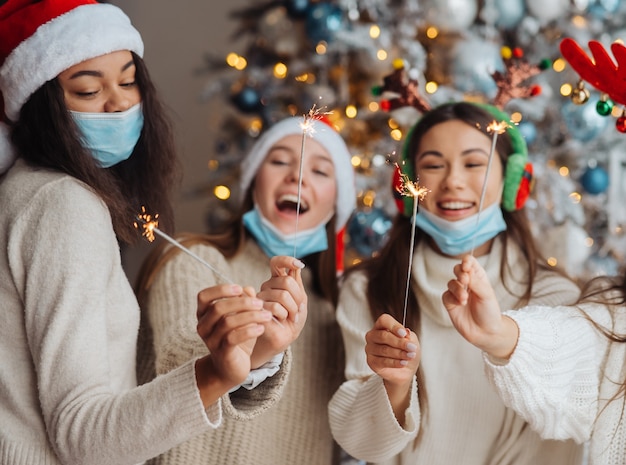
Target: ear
x,y
518,181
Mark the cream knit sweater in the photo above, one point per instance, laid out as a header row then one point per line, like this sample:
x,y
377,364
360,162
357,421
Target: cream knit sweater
x,y
68,390
467,422
296,430
562,374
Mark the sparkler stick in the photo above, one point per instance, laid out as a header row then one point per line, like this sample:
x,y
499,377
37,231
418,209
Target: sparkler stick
x,y
410,188
308,129
497,129
151,227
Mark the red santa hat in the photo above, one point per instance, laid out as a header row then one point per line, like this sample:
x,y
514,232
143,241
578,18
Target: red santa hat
x,y
41,39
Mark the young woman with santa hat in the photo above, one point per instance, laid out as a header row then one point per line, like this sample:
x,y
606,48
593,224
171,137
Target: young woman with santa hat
x,y
85,144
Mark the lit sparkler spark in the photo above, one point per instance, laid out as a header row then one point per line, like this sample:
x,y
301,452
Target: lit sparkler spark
x,y
411,188
496,128
308,129
150,227
314,114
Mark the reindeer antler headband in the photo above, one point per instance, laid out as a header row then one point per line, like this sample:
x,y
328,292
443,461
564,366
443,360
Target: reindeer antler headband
x,y
601,71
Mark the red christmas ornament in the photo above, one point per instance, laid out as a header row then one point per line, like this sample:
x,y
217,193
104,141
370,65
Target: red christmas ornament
x,y
385,105
535,90
620,124
518,52
396,183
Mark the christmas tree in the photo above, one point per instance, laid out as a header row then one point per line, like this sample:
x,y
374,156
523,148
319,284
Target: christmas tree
x,y
341,55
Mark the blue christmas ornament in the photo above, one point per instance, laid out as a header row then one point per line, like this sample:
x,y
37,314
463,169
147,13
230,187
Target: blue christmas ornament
x,y
322,21
510,13
472,63
297,8
602,9
247,100
583,121
528,131
368,231
595,180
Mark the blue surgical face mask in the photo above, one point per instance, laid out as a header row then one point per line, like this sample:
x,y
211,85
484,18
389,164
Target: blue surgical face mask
x,y
457,237
110,137
273,242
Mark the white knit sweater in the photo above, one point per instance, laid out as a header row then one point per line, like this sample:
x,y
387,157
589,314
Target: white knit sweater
x,y
296,430
562,374
467,423
68,390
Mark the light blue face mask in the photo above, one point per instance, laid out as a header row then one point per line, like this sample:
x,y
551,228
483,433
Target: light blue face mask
x,y
110,137
273,242
457,237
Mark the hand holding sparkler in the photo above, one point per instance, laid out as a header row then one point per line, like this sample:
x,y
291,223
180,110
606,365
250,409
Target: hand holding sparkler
x,y
393,353
284,295
475,312
230,321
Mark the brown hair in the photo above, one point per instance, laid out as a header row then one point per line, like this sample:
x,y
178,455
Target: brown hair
x,y
46,135
386,272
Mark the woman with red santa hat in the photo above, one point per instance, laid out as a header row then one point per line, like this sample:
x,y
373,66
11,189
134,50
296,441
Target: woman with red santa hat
x,y
85,143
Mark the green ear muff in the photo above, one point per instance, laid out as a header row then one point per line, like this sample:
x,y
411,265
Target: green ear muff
x,y
518,171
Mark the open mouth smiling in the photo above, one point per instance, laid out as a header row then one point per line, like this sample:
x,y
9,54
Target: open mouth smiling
x,y
289,203
456,205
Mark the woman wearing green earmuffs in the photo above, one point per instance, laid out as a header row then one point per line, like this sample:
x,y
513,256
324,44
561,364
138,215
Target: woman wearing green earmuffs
x,y
417,393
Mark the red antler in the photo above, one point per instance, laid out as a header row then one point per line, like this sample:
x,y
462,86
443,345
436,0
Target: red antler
x,y
406,91
601,72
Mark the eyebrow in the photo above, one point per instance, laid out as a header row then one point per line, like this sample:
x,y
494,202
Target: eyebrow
x,y
439,154
317,155
95,73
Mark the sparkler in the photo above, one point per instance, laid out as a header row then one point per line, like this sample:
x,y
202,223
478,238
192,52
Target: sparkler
x,y
407,187
308,129
496,129
150,227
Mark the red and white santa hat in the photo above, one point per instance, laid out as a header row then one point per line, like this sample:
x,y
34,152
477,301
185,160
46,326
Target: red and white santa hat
x,y
328,138
41,39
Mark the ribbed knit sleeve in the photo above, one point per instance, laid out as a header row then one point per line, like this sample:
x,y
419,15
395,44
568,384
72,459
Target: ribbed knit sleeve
x,y
565,377
552,378
361,418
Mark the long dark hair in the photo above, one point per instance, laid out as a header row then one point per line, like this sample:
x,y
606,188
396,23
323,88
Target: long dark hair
x,y
45,135
386,272
230,241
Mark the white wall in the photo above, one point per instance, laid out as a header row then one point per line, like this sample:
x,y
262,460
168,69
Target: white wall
x,y
176,40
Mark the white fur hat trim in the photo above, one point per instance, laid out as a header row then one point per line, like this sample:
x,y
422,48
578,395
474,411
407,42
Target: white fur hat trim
x,y
329,139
